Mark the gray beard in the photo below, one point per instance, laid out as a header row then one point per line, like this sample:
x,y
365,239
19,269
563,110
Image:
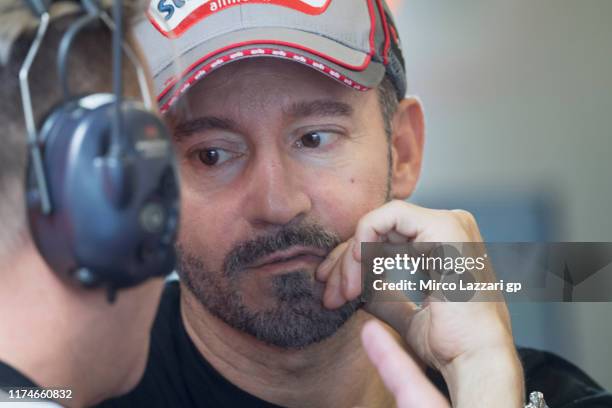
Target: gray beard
x,y
297,319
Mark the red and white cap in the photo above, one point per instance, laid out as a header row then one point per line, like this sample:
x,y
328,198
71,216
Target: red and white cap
x,y
352,41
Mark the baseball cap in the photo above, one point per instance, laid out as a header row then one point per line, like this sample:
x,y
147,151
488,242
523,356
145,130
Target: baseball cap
x,y
354,42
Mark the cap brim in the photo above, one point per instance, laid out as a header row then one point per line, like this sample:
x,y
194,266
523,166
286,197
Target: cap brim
x,y
351,67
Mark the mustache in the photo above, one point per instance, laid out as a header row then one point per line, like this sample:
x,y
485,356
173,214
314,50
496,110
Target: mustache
x,y
251,251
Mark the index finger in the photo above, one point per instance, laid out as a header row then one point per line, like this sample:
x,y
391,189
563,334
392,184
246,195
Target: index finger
x,y
404,218
401,375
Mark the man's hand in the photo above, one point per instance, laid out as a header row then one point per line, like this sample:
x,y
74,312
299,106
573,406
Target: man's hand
x,y
402,376
469,343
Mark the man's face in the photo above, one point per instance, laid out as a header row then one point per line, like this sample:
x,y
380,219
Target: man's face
x,y
278,164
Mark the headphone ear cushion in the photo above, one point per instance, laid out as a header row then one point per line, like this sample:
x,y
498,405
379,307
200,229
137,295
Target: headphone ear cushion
x,y
110,217
50,232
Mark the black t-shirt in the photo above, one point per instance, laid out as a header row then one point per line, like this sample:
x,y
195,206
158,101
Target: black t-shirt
x,y
11,378
178,376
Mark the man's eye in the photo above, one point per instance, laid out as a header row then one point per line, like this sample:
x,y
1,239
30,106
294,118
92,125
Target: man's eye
x,y
313,140
214,156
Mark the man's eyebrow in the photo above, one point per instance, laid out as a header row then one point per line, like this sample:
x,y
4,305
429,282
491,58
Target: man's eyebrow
x,y
322,107
186,128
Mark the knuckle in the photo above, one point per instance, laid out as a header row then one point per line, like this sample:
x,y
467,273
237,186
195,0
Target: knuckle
x,y
465,218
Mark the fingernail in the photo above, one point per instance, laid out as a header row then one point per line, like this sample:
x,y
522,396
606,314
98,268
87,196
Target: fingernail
x,y
322,268
356,250
326,262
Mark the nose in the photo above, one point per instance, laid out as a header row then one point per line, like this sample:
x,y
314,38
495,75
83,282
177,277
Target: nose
x,y
276,191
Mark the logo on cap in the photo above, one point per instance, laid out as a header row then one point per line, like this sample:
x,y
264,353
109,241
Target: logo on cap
x,y
173,17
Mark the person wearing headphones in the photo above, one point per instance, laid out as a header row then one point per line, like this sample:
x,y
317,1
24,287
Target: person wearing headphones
x,y
74,228
296,143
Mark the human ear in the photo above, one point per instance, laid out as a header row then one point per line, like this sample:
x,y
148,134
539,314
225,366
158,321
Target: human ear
x,y
407,141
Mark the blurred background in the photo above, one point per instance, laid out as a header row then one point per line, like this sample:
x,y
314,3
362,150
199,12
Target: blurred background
x,y
518,99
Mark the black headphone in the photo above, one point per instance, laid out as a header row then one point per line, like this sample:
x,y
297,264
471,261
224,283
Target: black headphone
x,y
102,193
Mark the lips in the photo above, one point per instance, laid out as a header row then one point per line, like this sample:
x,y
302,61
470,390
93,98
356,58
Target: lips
x,y
291,254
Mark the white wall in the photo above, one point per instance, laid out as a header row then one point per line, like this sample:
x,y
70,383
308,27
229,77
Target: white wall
x,y
518,97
